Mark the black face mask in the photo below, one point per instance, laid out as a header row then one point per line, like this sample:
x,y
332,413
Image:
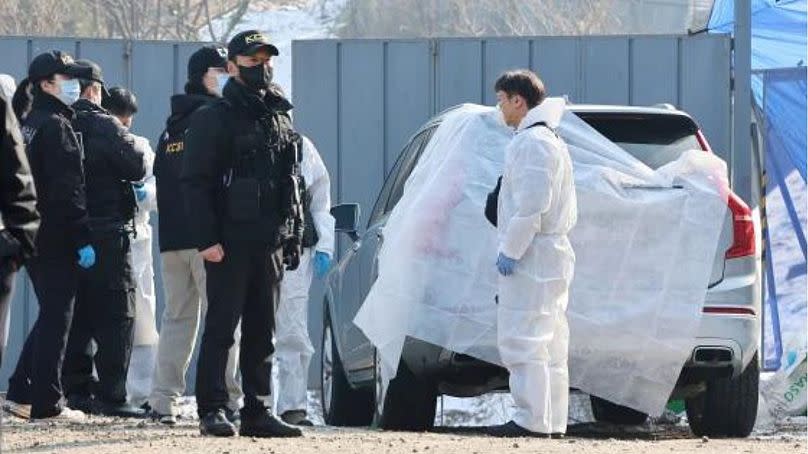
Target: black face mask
x,y
257,77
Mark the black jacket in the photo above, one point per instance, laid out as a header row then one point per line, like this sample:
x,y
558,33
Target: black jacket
x,y
17,194
174,229
56,164
241,172
111,165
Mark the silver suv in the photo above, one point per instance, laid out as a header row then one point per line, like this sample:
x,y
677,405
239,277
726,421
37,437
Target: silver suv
x,y
719,381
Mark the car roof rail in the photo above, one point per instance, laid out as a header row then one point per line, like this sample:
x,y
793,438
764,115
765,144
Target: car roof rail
x,y
665,105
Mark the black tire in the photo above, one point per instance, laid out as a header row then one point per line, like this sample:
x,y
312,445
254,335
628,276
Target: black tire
x,y
605,411
409,403
729,406
348,407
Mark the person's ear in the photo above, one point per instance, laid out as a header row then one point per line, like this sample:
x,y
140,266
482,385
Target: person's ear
x,y
47,85
232,68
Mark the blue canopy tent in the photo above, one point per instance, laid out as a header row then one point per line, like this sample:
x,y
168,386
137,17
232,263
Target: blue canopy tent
x,y
779,91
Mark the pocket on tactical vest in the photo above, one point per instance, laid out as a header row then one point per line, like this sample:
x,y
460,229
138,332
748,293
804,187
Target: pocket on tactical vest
x,y
244,200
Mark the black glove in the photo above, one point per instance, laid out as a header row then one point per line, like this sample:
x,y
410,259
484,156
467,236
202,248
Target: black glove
x,y
291,254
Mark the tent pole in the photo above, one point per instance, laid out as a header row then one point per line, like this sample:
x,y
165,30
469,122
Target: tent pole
x,y
741,157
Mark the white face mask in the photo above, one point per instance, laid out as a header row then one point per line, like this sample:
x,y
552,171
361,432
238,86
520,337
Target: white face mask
x,y
69,91
221,81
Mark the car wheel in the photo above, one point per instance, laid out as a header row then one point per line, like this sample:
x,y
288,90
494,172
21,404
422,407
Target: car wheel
x,y
728,408
342,404
605,411
406,403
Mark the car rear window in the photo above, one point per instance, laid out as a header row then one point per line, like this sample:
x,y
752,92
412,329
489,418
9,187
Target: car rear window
x,y
654,139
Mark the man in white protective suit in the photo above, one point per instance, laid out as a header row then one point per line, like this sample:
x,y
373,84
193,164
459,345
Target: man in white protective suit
x,y
536,210
123,105
293,349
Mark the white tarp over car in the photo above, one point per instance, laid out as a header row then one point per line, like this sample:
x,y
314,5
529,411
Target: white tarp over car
x,y
645,243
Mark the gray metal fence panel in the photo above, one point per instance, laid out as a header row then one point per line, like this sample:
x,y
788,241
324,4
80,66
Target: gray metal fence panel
x,y
407,92
557,61
112,56
459,75
152,73
653,61
15,57
382,88
605,71
361,120
704,75
318,104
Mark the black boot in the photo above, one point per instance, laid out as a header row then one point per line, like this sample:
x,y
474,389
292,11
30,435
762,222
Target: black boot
x,y
81,402
513,430
215,424
296,418
121,410
265,425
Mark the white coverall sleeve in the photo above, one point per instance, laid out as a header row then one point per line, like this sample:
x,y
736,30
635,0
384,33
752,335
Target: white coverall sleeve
x,y
532,165
149,182
319,188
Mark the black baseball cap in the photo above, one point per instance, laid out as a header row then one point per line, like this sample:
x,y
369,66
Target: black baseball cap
x,y
207,57
91,71
250,41
53,62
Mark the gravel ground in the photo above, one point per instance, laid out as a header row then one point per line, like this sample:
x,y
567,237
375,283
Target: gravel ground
x,y
459,432
110,435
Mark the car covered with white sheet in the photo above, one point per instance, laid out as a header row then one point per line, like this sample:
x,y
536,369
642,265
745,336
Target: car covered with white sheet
x,y
640,333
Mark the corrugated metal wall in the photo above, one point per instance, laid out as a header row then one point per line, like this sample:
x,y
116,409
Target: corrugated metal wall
x,y
153,71
360,100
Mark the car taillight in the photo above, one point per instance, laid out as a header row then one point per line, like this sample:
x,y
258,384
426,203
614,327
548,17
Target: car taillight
x,y
743,228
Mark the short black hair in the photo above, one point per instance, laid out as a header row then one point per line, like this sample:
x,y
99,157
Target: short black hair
x,y
121,102
524,83
195,86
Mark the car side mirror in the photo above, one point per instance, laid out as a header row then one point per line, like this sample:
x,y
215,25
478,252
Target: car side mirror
x,y
347,217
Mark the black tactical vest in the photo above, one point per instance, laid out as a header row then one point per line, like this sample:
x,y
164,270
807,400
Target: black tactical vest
x,y
263,183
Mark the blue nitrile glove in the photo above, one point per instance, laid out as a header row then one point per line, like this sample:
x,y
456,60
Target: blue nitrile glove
x,y
505,264
140,192
86,257
322,263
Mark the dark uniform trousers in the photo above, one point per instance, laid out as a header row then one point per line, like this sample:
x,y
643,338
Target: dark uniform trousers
x,y
8,273
244,286
37,378
105,313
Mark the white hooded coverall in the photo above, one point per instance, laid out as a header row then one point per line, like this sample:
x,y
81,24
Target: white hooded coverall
x,y
293,349
537,208
144,345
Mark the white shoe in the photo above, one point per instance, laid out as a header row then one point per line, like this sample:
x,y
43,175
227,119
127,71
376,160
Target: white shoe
x,y
67,415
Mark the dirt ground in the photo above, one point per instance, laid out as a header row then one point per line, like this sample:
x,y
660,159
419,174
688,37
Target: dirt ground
x,y
104,435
